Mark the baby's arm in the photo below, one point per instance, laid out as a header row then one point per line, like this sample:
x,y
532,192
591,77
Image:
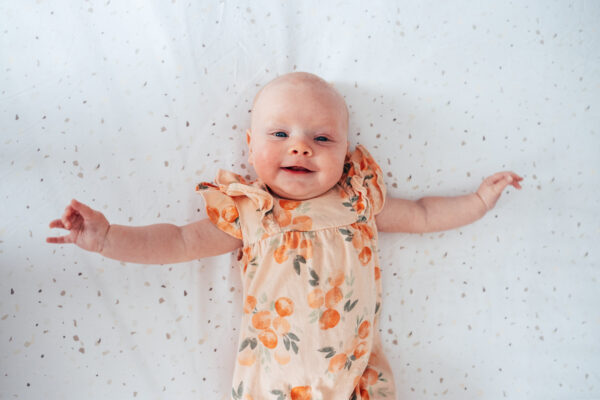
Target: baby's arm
x,y
432,214
152,244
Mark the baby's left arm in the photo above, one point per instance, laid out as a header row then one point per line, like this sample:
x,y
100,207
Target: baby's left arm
x,y
432,214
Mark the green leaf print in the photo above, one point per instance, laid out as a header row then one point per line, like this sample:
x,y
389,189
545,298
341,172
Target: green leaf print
x,y
295,347
350,305
240,391
244,344
286,343
303,208
329,350
299,259
280,395
315,280
347,233
377,307
293,337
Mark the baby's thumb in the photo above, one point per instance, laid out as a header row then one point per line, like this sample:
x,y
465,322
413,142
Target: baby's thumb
x,y
502,183
85,211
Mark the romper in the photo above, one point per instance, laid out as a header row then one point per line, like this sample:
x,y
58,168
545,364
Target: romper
x,y
311,286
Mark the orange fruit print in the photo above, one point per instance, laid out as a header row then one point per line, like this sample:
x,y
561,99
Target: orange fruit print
x,y
284,306
365,255
329,319
292,239
284,218
280,254
337,363
306,249
268,338
337,278
261,320
369,377
333,297
249,304
360,350
288,204
229,213
281,325
363,329
316,298
302,222
213,214
301,393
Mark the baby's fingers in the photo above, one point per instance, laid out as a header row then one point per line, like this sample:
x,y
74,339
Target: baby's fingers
x,y
59,239
516,180
57,223
68,217
85,211
500,180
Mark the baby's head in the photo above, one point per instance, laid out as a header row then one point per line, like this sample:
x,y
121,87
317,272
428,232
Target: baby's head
x,y
298,136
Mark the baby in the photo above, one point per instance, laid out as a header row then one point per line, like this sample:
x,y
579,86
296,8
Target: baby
x,y
307,233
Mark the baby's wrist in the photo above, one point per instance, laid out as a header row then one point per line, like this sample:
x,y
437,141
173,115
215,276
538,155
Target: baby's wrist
x,y
485,204
104,239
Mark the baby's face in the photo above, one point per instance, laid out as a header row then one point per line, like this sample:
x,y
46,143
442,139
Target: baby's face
x,y
298,139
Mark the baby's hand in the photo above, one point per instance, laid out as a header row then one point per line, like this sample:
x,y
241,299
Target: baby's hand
x,y
87,227
492,187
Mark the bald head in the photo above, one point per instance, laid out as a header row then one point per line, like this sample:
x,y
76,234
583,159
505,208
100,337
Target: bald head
x,y
304,81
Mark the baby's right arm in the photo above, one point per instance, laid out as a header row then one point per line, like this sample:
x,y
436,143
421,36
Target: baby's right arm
x,y
152,244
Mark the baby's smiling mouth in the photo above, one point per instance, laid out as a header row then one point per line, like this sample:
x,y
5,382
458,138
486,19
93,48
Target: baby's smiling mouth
x,y
297,169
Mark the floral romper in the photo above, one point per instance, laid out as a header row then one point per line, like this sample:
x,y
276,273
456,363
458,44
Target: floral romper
x,y
311,287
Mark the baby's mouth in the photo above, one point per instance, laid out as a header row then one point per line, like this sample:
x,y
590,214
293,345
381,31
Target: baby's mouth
x,y
297,169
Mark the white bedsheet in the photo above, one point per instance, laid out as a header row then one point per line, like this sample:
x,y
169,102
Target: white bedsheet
x,y
126,105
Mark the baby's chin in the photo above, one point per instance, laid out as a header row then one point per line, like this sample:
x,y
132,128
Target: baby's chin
x,y
299,196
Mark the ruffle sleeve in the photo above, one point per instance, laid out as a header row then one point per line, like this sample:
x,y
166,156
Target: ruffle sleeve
x,y
223,199
364,176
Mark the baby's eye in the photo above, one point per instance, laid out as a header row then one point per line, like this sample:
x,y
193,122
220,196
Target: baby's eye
x,y
280,134
321,139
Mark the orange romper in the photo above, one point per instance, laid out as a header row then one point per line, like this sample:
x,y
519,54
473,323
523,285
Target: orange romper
x,y
311,287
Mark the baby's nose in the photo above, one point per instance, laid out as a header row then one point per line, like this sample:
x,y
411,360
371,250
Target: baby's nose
x,y
300,148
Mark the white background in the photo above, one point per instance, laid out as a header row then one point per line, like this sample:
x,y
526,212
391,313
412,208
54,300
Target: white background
x,y
126,105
